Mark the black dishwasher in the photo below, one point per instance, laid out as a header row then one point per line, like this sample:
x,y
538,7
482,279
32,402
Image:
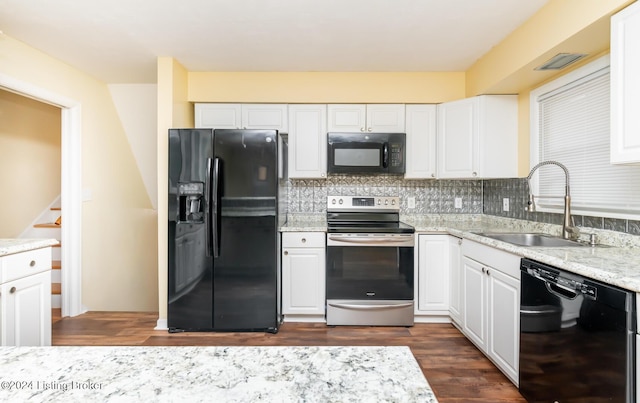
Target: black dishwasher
x,y
577,338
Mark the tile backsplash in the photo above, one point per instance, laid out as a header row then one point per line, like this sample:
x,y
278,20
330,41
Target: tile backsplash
x,y
431,196
517,190
309,196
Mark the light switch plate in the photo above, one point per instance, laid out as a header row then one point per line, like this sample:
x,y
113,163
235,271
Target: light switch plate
x,y
411,202
505,204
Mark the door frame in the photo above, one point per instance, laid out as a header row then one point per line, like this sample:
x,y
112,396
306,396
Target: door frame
x,y
71,186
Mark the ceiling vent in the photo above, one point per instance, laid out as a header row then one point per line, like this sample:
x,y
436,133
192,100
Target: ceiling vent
x,y
560,61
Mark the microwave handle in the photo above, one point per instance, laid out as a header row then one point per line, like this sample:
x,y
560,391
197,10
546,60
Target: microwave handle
x,y
385,155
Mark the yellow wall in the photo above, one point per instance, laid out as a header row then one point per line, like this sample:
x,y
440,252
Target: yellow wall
x,y
574,26
29,160
326,87
174,110
119,254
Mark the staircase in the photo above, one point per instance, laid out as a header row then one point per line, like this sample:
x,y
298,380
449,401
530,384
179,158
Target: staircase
x,y
48,225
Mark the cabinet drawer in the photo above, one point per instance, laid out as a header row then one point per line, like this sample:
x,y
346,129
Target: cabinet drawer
x,y
303,240
24,264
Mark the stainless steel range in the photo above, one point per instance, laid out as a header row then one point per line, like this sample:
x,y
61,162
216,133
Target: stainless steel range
x,y
369,262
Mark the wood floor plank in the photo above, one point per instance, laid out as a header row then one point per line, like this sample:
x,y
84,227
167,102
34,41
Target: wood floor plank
x,y
456,370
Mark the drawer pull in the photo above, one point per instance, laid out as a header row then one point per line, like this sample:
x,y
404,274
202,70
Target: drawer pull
x,y
286,253
32,263
12,290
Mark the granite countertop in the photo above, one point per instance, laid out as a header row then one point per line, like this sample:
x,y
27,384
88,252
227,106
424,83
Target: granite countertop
x,y
11,246
215,374
616,261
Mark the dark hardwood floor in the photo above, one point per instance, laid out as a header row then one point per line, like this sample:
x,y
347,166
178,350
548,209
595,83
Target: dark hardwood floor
x,y
456,370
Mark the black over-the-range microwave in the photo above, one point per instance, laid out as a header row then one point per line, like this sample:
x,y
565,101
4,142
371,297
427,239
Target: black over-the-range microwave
x,y
366,153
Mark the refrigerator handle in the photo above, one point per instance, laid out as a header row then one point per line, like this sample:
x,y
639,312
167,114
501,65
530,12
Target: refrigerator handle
x,y
207,217
214,221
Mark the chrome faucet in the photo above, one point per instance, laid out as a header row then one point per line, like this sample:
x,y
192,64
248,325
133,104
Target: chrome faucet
x,y
569,231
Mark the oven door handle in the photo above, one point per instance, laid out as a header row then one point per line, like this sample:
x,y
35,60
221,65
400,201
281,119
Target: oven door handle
x,y
373,241
370,307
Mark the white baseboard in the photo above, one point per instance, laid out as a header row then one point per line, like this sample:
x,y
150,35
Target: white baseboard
x,y
161,324
305,318
432,319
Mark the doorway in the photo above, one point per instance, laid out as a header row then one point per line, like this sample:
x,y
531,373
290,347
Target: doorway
x,y
71,186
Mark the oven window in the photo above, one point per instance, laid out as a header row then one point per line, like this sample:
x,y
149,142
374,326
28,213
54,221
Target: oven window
x,y
357,157
366,272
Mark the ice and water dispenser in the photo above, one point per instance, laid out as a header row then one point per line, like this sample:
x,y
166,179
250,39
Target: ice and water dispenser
x,y
191,202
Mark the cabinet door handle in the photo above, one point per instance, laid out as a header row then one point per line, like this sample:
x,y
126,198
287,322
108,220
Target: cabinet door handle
x,y
304,240
286,253
12,290
488,274
32,263
483,270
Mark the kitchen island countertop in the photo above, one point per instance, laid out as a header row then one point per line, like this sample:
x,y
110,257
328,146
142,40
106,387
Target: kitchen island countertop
x,y
215,374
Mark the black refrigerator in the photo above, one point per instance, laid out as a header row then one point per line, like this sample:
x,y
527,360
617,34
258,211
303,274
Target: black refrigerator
x,y
223,239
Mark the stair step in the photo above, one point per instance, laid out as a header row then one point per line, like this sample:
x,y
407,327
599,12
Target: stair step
x,y
56,264
56,288
47,225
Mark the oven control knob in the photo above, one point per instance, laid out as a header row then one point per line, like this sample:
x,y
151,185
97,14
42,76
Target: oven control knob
x,y
340,201
333,201
379,202
386,202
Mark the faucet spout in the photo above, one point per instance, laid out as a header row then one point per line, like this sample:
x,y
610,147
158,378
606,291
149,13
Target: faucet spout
x,y
569,231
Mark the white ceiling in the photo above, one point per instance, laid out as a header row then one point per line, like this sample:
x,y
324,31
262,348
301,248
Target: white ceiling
x,y
118,41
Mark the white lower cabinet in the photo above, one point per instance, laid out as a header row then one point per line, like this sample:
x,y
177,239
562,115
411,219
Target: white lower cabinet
x,y
432,278
303,276
491,308
456,293
25,298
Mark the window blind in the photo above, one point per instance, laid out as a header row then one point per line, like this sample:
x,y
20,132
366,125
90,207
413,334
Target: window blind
x,y
574,130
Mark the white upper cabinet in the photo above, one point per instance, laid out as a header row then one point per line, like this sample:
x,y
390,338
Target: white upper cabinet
x,y
242,116
421,141
307,141
625,85
478,137
218,116
387,118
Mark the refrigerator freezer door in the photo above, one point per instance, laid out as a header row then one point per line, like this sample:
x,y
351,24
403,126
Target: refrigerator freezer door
x,y
245,272
190,271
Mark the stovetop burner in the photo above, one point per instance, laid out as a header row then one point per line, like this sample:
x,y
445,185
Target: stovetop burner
x,y
355,214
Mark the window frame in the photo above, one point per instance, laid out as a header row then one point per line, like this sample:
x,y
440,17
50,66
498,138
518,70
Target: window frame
x,y
534,139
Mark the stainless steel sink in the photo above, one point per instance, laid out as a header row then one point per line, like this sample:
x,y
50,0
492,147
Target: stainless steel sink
x,y
531,239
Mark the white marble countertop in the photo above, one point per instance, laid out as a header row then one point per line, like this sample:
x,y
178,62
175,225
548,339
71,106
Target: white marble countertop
x,y
11,246
212,374
616,263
